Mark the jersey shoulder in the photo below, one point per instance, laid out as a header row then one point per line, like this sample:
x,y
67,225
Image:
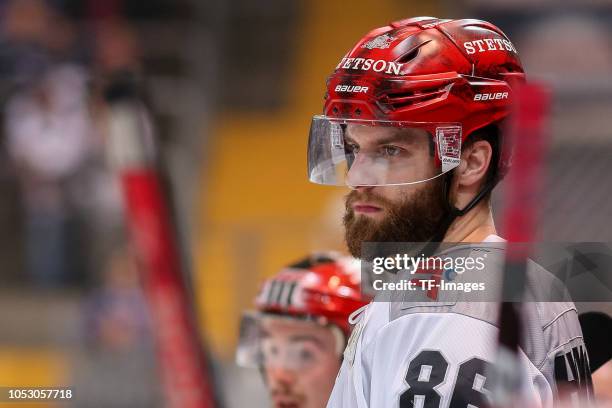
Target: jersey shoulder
x,y
548,326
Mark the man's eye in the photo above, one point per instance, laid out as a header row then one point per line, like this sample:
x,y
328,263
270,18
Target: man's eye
x,y
306,355
390,150
270,350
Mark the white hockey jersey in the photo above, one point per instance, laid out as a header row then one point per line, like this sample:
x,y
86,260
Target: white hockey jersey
x,y
405,354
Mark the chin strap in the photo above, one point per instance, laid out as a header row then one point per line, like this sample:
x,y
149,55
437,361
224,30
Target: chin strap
x,y
453,212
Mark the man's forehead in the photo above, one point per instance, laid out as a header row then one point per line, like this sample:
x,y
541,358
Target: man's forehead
x,y
286,327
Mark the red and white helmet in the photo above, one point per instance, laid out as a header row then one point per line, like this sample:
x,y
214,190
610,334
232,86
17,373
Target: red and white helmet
x,y
322,288
446,77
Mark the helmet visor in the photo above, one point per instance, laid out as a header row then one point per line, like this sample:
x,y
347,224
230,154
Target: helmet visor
x,y
287,342
380,153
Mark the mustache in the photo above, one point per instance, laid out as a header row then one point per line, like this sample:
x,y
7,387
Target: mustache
x,y
366,197
286,392
282,389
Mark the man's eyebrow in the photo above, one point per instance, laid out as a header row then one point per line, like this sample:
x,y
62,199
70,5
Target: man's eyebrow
x,y
399,135
308,338
395,137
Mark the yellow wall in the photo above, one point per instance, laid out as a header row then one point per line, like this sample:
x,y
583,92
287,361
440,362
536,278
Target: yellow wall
x,y
32,367
257,210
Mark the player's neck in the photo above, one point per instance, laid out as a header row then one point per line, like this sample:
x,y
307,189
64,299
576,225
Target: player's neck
x,y
474,226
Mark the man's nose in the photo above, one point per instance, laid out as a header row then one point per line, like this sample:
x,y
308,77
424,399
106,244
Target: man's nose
x,y
362,189
282,375
361,173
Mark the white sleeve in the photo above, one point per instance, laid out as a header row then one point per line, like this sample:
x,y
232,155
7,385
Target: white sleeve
x,y
433,360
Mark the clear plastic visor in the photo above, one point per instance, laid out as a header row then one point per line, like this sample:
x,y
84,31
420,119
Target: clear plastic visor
x,y
271,341
380,153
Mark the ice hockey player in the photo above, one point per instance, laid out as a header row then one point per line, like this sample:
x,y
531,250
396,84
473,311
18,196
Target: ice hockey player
x,y
412,124
300,327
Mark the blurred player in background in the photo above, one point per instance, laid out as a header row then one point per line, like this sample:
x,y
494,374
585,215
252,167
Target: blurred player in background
x,y
300,327
412,123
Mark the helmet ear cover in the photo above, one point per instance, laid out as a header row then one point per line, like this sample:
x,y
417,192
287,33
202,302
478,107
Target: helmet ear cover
x,y
497,169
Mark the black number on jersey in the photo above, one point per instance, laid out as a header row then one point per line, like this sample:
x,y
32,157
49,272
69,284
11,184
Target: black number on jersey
x,y
471,384
578,378
425,371
428,370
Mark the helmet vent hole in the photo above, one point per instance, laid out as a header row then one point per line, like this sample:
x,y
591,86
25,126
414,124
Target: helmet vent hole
x,y
335,109
408,56
430,90
403,99
403,94
358,112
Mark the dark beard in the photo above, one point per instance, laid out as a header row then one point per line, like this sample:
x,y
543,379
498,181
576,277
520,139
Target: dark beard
x,y
416,219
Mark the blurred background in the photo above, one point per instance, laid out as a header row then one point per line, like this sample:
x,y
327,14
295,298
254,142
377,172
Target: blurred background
x,y
230,87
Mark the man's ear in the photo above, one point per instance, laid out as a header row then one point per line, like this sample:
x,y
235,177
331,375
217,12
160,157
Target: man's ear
x,y
472,171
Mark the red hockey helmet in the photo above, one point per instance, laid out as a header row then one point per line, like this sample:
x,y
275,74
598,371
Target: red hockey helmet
x,y
323,289
442,79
